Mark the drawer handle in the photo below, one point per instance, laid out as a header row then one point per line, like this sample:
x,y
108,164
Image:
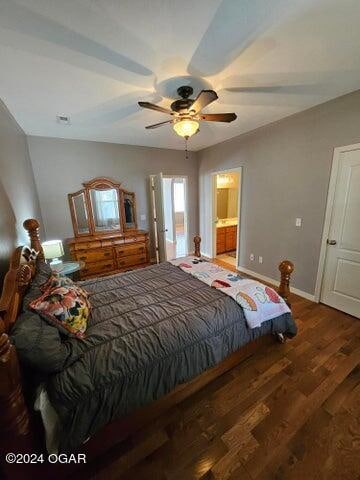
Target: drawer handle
x,y
120,251
107,254
122,263
82,258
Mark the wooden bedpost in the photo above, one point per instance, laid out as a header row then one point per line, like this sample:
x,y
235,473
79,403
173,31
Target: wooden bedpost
x,y
286,268
16,435
197,241
14,417
31,225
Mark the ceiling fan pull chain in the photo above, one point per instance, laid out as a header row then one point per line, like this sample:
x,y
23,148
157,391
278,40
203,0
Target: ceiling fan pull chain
x,y
186,149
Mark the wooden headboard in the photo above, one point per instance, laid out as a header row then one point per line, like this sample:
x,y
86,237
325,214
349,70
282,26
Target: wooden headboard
x,y
19,275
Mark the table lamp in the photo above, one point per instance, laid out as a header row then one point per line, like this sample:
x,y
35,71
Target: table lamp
x,y
53,249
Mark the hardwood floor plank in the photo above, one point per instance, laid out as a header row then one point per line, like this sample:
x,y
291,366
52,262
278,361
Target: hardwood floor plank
x,y
342,393
283,432
114,470
233,438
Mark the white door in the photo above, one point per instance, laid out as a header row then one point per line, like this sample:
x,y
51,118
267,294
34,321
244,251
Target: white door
x,y
158,216
341,282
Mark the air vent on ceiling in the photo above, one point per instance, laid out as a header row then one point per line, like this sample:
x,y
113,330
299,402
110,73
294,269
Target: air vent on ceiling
x,y
63,119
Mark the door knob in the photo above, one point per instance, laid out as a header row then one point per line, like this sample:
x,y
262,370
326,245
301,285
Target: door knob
x,y
331,242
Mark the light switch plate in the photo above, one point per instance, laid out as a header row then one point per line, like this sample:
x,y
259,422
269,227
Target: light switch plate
x,y
298,222
252,257
142,217
260,259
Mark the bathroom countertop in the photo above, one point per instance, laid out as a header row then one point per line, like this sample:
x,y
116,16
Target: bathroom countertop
x,y
227,222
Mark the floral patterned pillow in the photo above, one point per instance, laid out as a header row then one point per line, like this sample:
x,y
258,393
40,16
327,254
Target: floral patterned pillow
x,y
58,280
65,307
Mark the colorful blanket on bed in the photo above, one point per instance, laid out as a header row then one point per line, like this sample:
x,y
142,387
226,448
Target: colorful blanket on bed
x,y
259,302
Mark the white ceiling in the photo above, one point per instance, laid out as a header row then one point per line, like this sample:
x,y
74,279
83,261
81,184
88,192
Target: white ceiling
x,y
94,59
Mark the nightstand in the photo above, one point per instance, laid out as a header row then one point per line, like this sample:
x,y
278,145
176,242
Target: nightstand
x,y
68,268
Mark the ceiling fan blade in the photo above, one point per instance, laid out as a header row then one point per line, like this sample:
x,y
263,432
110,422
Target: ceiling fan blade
x,y
156,125
152,106
282,89
204,98
218,117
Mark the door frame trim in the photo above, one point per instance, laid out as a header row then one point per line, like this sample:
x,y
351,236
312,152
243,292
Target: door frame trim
x,y
239,171
328,214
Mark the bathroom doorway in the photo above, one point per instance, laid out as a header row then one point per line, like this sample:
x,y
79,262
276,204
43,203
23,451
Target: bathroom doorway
x,y
226,216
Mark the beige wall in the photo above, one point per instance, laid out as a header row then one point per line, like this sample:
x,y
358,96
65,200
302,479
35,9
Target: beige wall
x,y
286,170
60,166
18,196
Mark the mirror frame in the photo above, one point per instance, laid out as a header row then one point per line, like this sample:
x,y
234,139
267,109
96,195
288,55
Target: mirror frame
x,y
101,183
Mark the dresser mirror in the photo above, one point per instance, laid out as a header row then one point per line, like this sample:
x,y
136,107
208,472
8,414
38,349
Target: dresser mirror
x,y
102,207
105,209
78,207
129,211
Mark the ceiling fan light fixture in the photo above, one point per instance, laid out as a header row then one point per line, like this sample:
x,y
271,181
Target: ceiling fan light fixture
x,y
186,127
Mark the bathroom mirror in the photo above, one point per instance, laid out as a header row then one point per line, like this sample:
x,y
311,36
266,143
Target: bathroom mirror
x,y
226,203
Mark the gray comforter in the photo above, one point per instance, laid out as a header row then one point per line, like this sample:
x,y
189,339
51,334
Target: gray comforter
x,y
150,330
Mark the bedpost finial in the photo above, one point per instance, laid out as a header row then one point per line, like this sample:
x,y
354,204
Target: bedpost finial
x,y
197,241
286,269
31,225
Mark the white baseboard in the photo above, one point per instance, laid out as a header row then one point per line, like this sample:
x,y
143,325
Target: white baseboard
x,y
306,295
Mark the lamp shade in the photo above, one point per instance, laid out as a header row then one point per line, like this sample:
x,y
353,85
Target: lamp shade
x,y
53,249
186,127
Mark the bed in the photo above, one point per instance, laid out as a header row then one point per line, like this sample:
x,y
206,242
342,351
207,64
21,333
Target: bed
x,y
156,335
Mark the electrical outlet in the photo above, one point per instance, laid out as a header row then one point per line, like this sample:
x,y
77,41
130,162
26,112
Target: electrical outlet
x,y
260,259
252,257
298,222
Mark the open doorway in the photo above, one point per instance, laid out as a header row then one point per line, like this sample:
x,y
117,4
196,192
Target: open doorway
x,y
170,219
174,198
226,201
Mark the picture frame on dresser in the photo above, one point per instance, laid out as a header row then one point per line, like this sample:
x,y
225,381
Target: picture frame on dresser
x,y
106,235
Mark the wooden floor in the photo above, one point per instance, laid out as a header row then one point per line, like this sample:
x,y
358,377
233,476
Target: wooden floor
x,y
291,411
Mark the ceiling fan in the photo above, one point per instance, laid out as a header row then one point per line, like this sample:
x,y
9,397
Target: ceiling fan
x,y
186,112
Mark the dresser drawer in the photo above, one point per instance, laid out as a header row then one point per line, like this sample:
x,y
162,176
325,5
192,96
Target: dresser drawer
x,y
97,267
87,245
131,260
95,255
134,249
136,238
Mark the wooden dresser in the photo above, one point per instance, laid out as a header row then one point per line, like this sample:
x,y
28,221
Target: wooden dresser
x,y
107,239
226,239
105,255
